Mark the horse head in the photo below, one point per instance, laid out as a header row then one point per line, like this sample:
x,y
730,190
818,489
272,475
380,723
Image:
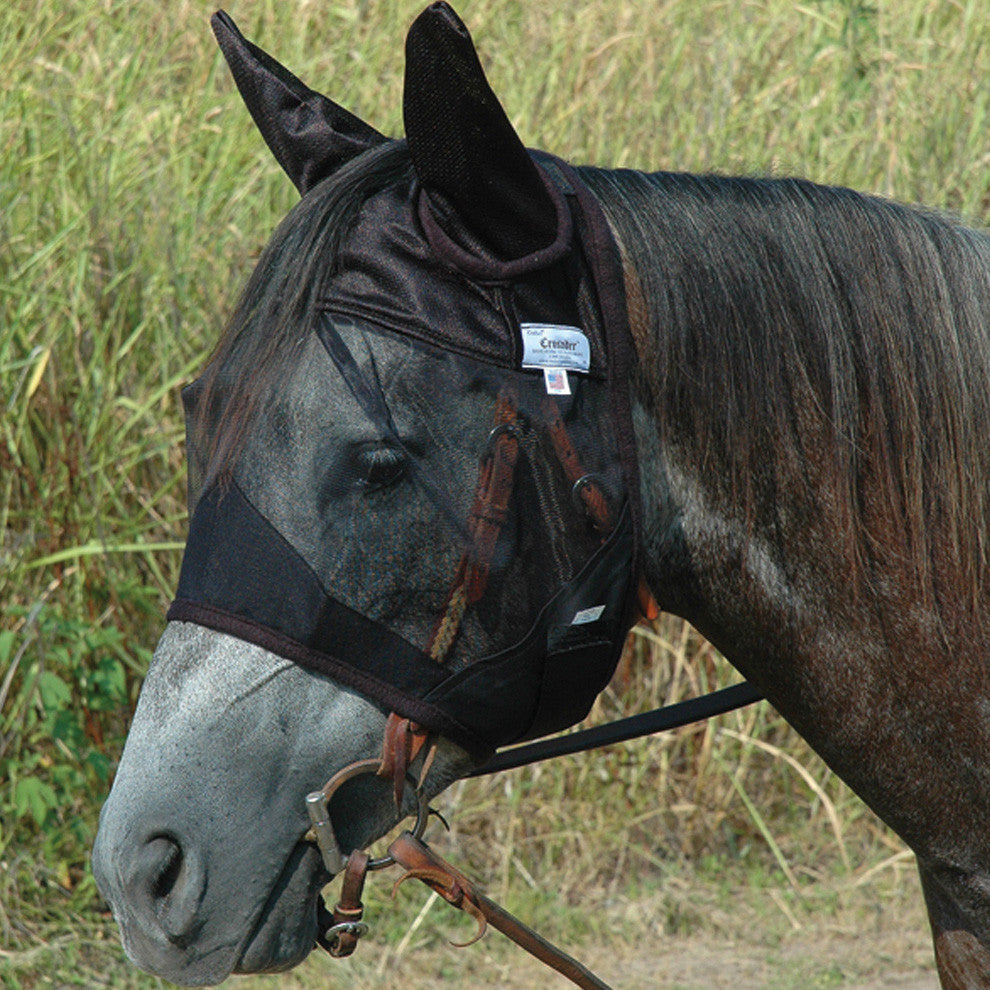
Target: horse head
x,y
407,494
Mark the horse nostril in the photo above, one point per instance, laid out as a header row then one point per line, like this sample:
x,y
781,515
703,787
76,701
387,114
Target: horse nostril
x,y
173,886
170,865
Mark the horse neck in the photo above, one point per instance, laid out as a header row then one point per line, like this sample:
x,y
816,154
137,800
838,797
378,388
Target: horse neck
x,y
758,571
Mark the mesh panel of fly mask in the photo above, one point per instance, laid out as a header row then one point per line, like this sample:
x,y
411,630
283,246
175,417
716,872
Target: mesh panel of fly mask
x,y
432,507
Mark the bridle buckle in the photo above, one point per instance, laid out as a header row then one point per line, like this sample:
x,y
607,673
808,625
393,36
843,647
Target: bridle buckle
x,y
343,933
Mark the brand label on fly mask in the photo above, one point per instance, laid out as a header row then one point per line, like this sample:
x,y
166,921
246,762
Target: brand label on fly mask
x,y
587,615
547,345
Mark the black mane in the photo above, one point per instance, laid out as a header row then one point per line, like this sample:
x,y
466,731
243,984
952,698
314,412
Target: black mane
x,y
796,323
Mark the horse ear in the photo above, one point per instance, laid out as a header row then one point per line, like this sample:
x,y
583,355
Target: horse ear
x,y
470,161
310,135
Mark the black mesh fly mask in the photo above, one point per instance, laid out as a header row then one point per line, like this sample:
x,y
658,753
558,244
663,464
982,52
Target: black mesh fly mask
x,y
434,505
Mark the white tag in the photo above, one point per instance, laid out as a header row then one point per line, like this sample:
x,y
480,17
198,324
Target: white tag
x,y
548,345
556,381
587,615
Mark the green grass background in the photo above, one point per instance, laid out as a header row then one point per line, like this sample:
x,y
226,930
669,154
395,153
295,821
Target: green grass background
x,y
135,196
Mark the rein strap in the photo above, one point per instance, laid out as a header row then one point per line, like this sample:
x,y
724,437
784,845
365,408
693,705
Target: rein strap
x,y
422,863
673,716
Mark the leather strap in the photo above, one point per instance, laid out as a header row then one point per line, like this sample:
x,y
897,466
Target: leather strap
x,y
491,503
422,863
340,939
586,487
484,524
404,739
403,742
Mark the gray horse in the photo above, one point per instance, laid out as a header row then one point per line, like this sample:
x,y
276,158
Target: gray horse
x,y
803,374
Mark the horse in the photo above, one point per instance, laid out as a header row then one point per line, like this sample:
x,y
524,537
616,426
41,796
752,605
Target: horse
x,y
473,398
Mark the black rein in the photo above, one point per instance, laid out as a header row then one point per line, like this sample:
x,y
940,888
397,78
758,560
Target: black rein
x,y
645,724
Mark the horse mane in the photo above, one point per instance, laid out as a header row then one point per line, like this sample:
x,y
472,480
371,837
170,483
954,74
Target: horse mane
x,y
267,331
792,323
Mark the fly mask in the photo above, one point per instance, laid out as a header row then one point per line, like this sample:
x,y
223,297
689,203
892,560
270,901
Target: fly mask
x,y
437,508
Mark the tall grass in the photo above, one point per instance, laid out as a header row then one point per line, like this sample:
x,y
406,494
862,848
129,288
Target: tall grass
x,y
134,197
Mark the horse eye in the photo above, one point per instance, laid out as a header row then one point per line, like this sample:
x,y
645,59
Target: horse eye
x,y
380,464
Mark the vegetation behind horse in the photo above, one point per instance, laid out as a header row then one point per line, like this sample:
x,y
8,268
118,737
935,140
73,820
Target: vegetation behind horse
x,y
129,224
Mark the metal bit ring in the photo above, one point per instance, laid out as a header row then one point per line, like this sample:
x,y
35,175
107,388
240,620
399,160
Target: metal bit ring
x,y
322,832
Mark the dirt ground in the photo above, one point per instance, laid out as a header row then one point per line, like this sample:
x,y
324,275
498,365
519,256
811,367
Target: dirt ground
x,y
889,960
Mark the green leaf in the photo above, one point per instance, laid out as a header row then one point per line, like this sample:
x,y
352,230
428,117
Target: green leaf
x,y
94,549
54,692
65,726
100,764
109,685
34,796
6,646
